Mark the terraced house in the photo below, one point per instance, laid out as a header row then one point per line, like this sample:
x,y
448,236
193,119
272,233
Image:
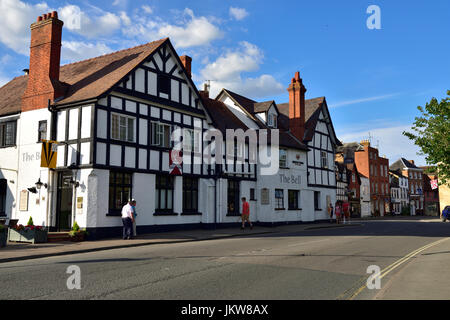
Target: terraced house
x,y
111,120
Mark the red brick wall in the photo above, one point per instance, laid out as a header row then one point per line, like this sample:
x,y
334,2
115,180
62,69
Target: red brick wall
x,y
45,52
297,107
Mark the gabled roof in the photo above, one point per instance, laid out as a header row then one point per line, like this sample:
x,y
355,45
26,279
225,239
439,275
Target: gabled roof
x,y
402,163
286,138
263,106
87,79
312,112
221,116
246,103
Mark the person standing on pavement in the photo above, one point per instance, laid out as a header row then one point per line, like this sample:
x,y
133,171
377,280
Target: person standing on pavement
x,y
245,213
133,206
330,212
127,220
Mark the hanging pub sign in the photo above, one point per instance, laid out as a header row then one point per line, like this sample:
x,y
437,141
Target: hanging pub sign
x,y
176,162
434,184
48,154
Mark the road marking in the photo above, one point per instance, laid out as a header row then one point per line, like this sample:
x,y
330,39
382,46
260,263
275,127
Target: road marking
x,y
398,263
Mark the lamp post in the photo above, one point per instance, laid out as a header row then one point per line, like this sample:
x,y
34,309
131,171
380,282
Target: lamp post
x,y
75,184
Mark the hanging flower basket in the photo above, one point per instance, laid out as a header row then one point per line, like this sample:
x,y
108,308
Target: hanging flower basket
x,y
30,234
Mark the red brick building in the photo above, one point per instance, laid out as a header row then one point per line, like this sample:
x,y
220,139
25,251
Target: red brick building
x,y
376,168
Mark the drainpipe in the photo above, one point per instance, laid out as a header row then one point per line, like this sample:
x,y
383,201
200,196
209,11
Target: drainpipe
x,y
51,173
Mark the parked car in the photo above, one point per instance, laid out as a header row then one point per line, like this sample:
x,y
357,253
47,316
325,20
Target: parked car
x,y
446,214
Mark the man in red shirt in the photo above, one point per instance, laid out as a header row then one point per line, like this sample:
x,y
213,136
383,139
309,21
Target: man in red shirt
x,y
245,213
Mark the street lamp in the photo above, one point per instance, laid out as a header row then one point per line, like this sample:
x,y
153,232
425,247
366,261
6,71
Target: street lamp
x,y
39,184
73,181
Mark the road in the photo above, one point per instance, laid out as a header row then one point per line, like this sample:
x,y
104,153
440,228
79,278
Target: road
x,y
310,264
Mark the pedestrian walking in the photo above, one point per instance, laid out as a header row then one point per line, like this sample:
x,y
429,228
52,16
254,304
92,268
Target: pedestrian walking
x,y
346,212
338,212
330,212
133,206
127,220
245,213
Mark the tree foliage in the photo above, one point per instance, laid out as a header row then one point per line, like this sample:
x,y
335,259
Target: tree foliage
x,y
432,135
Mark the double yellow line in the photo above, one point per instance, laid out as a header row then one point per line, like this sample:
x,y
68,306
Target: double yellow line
x,y
396,264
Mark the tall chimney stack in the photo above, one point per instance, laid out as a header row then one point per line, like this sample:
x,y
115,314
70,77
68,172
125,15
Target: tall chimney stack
x,y
297,107
45,55
187,63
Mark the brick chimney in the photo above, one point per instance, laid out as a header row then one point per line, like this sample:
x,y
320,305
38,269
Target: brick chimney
x,y
297,107
187,63
45,52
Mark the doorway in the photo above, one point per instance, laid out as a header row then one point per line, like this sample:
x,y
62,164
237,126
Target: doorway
x,y
233,197
64,204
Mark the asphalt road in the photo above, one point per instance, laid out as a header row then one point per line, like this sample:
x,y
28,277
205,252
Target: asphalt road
x,y
311,264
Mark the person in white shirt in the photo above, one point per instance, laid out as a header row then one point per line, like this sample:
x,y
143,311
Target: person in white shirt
x,y
127,219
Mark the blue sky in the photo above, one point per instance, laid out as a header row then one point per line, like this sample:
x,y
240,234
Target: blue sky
x,y
373,79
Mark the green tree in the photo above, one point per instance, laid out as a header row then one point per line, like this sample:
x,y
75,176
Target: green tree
x,y
432,135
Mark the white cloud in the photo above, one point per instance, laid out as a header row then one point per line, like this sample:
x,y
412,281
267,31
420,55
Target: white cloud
x,y
147,9
16,21
76,51
125,18
196,31
238,13
362,100
226,72
392,142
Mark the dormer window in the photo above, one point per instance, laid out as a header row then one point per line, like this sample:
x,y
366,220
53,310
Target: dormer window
x,y
272,120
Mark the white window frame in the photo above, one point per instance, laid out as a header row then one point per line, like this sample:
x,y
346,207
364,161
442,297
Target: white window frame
x,y
283,158
157,138
324,159
127,131
191,137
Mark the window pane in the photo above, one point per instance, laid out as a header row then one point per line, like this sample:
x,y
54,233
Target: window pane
x,y
130,129
123,132
166,138
111,197
195,200
10,133
127,178
163,199
169,199
115,126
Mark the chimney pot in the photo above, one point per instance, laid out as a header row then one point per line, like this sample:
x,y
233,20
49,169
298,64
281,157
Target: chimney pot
x,y
297,107
187,63
39,19
55,14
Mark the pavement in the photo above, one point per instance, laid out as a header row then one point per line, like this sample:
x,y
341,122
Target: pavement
x,y
15,251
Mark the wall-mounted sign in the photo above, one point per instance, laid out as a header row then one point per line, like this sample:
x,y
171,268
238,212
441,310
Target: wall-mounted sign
x,y
48,154
80,203
23,201
290,179
176,162
265,196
